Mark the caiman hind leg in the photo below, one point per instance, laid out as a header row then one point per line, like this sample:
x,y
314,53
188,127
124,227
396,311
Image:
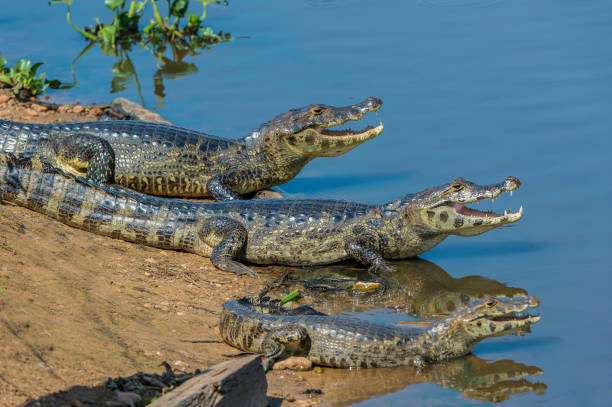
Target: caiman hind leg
x,y
228,238
81,154
365,247
281,342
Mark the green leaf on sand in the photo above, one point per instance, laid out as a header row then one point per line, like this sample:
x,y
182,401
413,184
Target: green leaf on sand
x,y
290,297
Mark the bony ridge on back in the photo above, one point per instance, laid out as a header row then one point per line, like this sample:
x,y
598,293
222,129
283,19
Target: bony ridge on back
x,y
267,231
166,160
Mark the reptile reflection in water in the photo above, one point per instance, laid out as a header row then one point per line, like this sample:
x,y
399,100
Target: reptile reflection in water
x,y
418,287
470,375
425,291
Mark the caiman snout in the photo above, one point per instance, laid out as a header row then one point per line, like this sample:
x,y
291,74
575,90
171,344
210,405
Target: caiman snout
x,y
306,131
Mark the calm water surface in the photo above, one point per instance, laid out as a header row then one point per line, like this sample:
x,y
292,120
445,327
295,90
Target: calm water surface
x,y
474,88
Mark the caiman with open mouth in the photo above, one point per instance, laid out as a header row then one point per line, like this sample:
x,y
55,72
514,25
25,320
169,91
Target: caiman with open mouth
x,y
263,231
259,326
165,160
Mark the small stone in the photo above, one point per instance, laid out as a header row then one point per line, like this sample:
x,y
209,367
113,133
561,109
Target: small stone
x,y
290,398
4,98
78,109
75,403
64,109
38,108
293,363
318,370
31,113
94,112
268,194
138,111
181,365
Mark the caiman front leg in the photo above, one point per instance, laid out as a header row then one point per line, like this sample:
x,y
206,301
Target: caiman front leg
x,y
365,247
230,185
84,153
219,187
228,238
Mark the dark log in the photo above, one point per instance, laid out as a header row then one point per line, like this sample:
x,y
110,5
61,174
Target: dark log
x,y
240,382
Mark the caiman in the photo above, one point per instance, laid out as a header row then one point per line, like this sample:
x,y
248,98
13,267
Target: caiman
x,y
260,326
418,287
265,231
165,160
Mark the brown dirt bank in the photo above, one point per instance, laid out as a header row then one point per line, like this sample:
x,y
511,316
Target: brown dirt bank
x,y
76,308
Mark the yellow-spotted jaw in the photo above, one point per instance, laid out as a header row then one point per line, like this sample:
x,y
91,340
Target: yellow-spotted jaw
x,y
496,317
444,209
306,132
320,142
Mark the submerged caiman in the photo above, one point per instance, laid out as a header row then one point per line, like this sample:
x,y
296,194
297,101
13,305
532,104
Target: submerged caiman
x,y
263,231
165,160
259,326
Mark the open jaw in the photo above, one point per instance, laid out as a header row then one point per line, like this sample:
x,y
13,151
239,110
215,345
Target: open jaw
x,y
342,141
479,217
323,142
447,209
512,315
497,317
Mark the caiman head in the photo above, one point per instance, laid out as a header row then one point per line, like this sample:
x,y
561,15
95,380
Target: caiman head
x,y
304,133
489,317
443,209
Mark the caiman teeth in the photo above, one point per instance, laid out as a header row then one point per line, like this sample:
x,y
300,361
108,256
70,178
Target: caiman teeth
x,y
350,132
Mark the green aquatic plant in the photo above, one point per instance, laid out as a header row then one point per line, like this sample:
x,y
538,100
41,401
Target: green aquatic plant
x,y
179,28
171,35
23,80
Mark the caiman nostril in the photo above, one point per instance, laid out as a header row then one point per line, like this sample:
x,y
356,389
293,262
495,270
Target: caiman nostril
x,y
512,181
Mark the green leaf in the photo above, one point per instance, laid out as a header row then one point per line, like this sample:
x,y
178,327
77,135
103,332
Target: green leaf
x,y
290,297
66,2
107,35
35,67
179,7
5,79
207,32
194,20
23,65
113,4
2,61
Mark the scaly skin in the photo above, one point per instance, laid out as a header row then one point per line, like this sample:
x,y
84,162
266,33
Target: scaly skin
x,y
418,287
258,326
267,231
165,160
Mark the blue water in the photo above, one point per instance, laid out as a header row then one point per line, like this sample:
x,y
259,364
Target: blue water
x,y
474,88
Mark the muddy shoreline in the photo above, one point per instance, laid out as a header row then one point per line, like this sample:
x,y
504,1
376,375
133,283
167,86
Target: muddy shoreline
x,y
77,308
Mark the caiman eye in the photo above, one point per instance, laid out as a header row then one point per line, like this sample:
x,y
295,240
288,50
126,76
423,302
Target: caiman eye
x,y
491,304
457,187
316,110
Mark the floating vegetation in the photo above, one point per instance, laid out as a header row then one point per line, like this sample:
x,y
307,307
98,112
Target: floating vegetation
x,y
170,38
